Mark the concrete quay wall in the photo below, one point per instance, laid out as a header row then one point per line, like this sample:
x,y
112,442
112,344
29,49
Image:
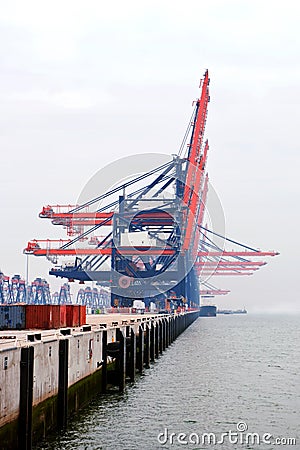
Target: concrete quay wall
x,y
45,376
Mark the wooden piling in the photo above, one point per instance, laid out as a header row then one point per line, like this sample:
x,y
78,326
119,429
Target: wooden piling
x,y
121,359
26,393
132,356
147,347
62,397
140,354
104,362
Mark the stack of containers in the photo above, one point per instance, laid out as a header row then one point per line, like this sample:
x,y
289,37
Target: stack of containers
x,y
46,317
12,318
82,315
76,315
72,315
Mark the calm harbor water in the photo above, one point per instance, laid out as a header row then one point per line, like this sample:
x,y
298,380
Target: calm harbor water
x,y
221,373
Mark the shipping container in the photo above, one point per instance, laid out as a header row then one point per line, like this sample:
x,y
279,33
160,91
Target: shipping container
x,y
12,317
63,316
39,316
56,323
82,315
45,317
73,315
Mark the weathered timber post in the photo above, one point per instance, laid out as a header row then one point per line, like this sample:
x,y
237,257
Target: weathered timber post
x,y
156,339
167,333
104,362
172,328
147,346
26,393
132,355
140,359
160,327
152,341
176,327
62,397
163,323
121,359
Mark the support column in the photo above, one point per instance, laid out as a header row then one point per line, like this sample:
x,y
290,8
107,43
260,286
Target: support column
x,y
156,339
128,342
164,334
132,356
104,362
140,359
26,388
160,327
181,324
62,397
121,360
147,346
167,333
174,328
152,342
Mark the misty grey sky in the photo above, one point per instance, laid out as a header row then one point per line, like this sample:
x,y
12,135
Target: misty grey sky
x,y
84,83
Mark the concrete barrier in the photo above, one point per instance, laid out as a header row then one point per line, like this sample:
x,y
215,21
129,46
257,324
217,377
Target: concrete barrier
x,y
44,381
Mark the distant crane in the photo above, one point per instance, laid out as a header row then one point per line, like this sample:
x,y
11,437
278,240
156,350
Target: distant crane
x,y
5,289
14,291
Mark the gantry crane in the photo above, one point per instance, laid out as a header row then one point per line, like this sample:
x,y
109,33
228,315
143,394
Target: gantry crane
x,y
153,244
93,297
14,291
5,289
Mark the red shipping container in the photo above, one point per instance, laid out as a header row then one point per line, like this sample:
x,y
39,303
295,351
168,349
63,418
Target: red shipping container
x,y
75,313
39,316
63,316
69,316
55,316
45,317
32,318
82,315
72,315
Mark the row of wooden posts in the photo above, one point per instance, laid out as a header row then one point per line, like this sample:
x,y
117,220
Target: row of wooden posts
x,y
134,351
131,353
